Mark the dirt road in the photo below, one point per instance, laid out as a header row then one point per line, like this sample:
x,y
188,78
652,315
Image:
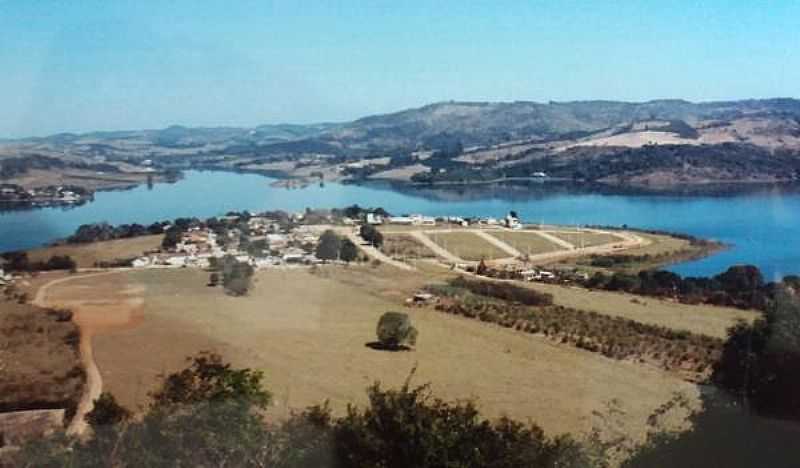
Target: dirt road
x,y
94,382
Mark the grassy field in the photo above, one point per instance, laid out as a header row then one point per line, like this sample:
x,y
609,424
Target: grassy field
x,y
468,246
39,362
701,319
404,246
586,239
308,332
526,242
87,254
661,249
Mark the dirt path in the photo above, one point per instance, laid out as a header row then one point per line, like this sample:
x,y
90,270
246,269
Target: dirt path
x,y
555,240
438,250
499,244
377,254
94,382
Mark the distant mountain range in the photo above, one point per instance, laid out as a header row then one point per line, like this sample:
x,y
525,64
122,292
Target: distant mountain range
x,y
478,140
473,123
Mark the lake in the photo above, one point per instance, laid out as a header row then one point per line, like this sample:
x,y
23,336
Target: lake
x,y
762,227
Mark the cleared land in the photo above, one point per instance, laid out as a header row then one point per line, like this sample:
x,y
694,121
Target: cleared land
x,y
308,333
467,245
527,242
405,246
86,255
585,239
702,319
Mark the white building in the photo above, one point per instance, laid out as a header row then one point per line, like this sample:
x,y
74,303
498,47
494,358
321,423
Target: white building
x,y
512,222
415,219
406,220
141,262
277,241
177,261
373,218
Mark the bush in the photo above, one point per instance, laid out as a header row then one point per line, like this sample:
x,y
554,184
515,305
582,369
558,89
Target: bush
x,y
370,234
504,291
395,330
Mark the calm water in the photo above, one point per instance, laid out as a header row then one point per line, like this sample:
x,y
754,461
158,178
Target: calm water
x,y
763,227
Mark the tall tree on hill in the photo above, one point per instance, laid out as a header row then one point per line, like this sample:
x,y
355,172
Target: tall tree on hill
x,y
329,246
349,251
371,234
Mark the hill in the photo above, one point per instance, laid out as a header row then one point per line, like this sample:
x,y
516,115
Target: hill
x,y
460,141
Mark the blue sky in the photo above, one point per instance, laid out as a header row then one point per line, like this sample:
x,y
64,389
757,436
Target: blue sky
x,y
100,65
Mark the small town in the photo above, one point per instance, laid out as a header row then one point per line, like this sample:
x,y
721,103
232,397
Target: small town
x,y
11,194
285,241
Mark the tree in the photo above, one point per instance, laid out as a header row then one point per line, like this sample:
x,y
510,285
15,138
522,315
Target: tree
x,y
761,362
209,379
329,246
171,237
395,330
237,277
371,234
213,279
349,251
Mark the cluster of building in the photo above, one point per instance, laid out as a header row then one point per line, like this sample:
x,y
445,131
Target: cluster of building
x,y
509,221
527,273
50,195
261,243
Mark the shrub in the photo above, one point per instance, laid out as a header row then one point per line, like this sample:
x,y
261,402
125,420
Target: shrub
x,y
395,330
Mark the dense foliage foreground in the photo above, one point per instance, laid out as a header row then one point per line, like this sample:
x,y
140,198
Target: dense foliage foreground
x,y
212,415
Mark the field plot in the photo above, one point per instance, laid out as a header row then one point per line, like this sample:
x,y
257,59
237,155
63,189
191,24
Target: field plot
x,y
467,245
585,239
702,319
87,254
405,246
308,332
527,242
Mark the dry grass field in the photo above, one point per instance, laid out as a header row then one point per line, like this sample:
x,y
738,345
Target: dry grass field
x,y
586,239
701,319
39,361
87,254
404,246
527,242
467,245
307,332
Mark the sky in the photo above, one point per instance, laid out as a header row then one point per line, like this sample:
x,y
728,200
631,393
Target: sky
x,y
76,66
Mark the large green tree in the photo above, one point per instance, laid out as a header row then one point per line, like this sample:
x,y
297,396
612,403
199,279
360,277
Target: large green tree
x,y
329,246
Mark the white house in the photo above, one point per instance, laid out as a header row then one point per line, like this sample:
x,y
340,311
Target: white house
x,y
141,262
512,222
177,261
407,220
373,218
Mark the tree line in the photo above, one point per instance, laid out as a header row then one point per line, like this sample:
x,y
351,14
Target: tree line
x,y
741,286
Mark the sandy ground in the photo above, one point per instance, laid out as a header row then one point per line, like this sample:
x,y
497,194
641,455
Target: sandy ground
x,y
308,333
